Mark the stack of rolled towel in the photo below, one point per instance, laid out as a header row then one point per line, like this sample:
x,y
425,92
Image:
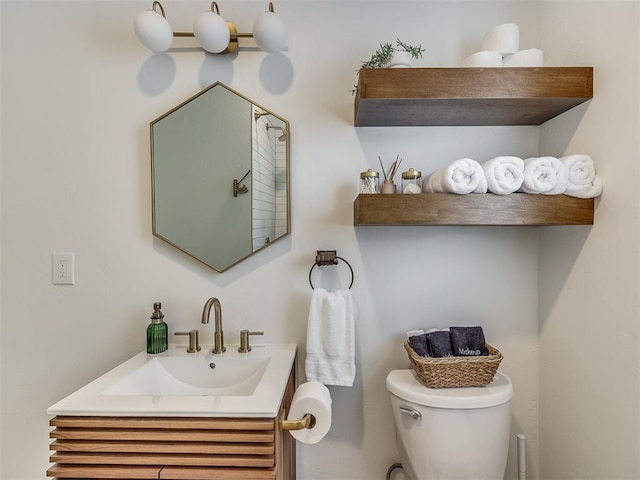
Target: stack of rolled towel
x,y
501,47
451,342
573,175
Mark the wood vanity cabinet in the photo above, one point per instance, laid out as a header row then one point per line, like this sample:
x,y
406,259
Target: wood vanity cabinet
x,y
174,448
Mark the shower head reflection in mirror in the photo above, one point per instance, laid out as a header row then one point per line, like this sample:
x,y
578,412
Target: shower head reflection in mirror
x,y
282,137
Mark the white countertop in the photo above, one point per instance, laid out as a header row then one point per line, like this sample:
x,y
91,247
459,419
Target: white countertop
x,y
264,402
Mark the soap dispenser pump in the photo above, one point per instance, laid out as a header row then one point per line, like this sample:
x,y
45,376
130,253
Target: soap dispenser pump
x,y
157,331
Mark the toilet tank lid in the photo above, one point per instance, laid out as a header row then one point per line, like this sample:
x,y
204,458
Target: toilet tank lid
x,y
405,385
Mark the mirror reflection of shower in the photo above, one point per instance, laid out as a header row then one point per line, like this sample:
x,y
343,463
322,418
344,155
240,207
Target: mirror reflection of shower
x,y
269,180
282,137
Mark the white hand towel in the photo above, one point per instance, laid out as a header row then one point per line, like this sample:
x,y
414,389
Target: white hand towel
x,y
582,179
545,175
504,174
331,338
461,176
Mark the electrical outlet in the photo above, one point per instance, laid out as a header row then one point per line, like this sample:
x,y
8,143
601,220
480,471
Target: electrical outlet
x,y
63,269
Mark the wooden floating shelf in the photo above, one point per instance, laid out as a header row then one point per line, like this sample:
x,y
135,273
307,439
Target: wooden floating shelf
x,y
468,96
471,209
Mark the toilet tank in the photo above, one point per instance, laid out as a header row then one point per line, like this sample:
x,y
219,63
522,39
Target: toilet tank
x,y
462,433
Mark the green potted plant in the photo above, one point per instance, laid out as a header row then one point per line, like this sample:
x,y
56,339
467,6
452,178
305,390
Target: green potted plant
x,y
388,55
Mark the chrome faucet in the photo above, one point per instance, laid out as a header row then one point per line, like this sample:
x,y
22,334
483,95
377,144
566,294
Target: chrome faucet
x,y
218,337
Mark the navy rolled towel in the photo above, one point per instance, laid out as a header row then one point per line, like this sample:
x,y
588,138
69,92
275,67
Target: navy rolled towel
x,y
419,345
440,343
468,341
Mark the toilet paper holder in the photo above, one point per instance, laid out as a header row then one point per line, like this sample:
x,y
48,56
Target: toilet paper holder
x,y
307,421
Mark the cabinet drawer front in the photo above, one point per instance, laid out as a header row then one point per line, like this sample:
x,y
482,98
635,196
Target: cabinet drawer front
x,y
163,448
157,473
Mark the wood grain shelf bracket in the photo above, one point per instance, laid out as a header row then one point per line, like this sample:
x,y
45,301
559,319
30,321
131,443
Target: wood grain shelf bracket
x,y
468,96
473,209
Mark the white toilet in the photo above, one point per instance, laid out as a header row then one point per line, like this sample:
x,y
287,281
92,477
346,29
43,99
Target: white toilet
x,y
451,433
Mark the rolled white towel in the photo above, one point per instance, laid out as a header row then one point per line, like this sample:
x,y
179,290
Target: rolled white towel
x,y
545,175
504,174
504,39
461,176
582,179
532,57
483,59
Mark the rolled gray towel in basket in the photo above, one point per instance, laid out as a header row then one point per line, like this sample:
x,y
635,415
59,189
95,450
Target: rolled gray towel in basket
x,y
468,341
440,343
420,345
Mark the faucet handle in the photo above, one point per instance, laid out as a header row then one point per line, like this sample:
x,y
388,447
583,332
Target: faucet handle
x,y
194,344
244,340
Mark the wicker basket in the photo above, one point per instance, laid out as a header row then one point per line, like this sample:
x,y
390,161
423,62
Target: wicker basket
x,y
448,372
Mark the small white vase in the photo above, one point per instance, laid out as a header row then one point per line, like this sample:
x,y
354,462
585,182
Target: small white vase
x,y
400,59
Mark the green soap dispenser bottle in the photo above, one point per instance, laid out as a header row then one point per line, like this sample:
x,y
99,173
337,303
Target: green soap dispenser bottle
x,y
157,331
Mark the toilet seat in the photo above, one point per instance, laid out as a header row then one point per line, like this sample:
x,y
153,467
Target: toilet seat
x,y
405,385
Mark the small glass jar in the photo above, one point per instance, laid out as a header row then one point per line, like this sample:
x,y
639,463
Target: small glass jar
x,y
369,181
412,181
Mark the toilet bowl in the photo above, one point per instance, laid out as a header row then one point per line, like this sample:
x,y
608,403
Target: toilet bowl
x,y
451,433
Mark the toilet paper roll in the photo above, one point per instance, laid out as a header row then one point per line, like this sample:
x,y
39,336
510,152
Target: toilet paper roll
x,y
531,57
504,39
314,398
483,59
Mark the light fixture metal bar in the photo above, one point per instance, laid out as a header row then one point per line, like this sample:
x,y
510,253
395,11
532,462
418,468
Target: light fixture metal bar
x,y
159,5
233,35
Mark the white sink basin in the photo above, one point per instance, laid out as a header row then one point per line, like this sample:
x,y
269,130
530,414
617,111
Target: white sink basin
x,y
180,384
204,375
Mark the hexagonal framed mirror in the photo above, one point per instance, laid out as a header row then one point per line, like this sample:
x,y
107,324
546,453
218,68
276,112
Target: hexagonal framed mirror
x,y
220,177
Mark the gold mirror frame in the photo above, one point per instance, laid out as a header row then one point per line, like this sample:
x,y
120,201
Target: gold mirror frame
x,y
220,173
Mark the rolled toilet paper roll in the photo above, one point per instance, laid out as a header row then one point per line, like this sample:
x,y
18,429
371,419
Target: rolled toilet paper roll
x,y
483,59
531,57
504,39
314,398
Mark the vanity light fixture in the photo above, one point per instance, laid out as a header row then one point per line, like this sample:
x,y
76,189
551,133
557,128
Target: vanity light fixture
x,y
211,31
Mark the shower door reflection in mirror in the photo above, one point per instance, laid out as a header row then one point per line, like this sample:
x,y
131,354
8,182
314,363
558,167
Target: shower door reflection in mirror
x,y
220,177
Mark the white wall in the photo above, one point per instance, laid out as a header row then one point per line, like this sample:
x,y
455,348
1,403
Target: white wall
x,y
589,315
77,97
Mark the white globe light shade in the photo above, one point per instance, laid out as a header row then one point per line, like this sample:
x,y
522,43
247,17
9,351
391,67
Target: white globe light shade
x,y
153,31
269,32
211,32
